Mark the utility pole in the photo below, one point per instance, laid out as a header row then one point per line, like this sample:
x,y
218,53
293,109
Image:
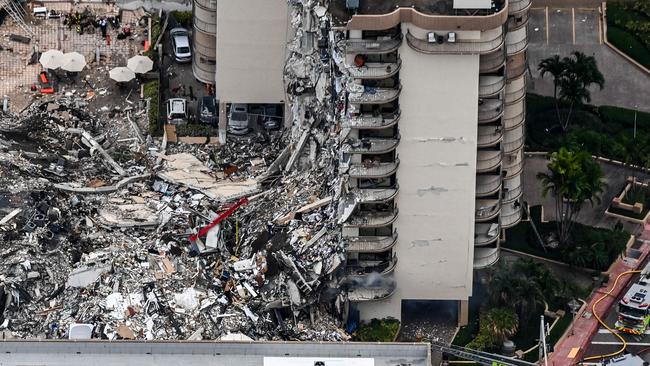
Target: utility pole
x,y
635,109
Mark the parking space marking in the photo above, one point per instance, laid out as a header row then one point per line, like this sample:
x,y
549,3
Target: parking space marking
x,y
573,24
600,27
546,25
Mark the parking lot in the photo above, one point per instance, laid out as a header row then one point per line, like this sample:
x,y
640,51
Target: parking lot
x,y
562,30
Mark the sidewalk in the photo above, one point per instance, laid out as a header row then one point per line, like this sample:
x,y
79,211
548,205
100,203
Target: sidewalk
x,y
571,348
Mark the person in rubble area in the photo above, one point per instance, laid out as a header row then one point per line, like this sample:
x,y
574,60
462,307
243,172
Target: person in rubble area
x,y
126,30
103,26
269,228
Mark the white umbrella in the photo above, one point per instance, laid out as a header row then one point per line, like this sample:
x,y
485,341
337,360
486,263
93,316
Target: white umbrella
x,y
140,64
51,59
73,62
121,74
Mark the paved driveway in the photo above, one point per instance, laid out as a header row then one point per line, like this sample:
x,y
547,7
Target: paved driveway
x,y
561,30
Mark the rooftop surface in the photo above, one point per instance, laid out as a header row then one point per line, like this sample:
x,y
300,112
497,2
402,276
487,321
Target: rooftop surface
x,y
208,353
341,14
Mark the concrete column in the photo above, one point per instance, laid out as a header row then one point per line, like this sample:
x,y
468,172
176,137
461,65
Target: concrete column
x,y
463,312
223,122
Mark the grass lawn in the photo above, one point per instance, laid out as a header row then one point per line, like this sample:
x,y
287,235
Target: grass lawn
x,y
626,31
604,131
522,238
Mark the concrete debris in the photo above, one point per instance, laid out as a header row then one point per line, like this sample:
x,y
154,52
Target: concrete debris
x,y
101,224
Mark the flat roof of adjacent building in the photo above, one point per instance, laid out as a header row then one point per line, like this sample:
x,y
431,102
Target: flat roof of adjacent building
x,y
189,353
342,14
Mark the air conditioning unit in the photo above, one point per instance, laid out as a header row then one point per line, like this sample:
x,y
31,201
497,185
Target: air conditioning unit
x,y
431,37
451,37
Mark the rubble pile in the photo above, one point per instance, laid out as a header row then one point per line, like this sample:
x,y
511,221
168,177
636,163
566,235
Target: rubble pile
x,y
128,239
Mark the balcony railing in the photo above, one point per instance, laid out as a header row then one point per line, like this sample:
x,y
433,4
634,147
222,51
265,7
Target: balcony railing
x,y
517,21
490,110
367,121
516,6
514,115
371,219
372,46
375,70
485,234
485,257
510,215
490,85
487,184
374,195
487,160
513,164
489,135
370,145
516,65
492,61
373,170
513,140
490,41
517,41
512,189
372,95
515,90
370,244
487,209
366,267
382,291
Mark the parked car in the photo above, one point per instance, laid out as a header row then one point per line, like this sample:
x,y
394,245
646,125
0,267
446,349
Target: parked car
x,y
181,44
206,111
238,119
268,116
177,111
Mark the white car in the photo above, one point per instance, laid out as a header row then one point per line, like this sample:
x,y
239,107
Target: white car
x,y
181,44
177,111
238,119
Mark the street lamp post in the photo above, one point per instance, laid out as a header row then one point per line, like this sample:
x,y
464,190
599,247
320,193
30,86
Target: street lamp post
x,y
574,306
635,109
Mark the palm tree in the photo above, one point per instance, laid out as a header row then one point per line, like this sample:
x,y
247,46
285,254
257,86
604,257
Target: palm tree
x,y
500,323
573,178
555,66
572,77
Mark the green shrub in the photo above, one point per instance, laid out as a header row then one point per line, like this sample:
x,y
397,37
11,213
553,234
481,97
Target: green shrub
x,y
195,130
378,330
156,30
628,29
152,91
183,17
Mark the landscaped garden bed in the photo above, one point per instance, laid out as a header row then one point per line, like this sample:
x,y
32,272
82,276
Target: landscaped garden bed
x,y
592,248
628,30
632,204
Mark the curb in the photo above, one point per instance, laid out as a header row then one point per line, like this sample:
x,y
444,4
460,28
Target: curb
x,y
603,19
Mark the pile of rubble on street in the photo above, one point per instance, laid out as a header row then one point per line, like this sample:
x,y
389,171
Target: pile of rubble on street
x,y
131,238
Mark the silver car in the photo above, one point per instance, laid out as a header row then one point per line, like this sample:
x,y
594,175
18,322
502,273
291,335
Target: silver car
x,y
181,44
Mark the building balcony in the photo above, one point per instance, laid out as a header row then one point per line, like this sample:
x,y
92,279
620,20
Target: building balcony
x,y
516,65
362,268
372,95
510,214
370,122
375,70
489,135
487,184
518,6
487,233
512,189
513,164
514,115
489,110
370,145
490,41
517,21
370,244
373,46
373,170
491,62
515,90
357,196
513,140
491,85
517,41
487,160
371,219
487,209
485,257
370,293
